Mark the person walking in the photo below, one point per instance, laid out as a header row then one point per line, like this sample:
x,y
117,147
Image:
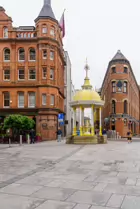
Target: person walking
x,y
59,135
32,136
129,136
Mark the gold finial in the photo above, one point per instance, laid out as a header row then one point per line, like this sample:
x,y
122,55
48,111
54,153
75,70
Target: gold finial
x,y
86,68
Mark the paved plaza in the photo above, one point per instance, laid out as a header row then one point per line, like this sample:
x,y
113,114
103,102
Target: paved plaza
x,y
54,175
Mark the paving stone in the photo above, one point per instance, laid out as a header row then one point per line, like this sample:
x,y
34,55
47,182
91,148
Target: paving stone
x,y
122,189
82,206
100,187
111,179
78,185
138,182
99,207
131,202
56,205
20,189
86,197
131,181
115,201
5,177
35,180
53,193
18,202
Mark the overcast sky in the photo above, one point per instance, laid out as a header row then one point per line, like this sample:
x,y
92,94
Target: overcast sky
x,y
95,29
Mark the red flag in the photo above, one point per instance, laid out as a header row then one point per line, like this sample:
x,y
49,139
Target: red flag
x,y
62,24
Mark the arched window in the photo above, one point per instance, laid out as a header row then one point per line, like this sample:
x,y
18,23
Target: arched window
x,y
32,54
52,31
113,107
6,54
5,32
21,54
113,86
125,107
44,29
125,87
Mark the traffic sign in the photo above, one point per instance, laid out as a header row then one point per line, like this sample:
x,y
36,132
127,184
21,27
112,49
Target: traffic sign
x,y
61,117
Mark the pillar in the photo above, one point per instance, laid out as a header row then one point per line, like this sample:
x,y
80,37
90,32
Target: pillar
x,y
100,118
92,121
81,121
74,121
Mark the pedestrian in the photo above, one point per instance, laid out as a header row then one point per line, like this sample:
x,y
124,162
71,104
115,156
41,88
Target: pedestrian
x,y
59,135
32,136
104,132
129,136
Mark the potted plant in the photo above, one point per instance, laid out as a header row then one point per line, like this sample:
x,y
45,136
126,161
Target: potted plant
x,y
38,137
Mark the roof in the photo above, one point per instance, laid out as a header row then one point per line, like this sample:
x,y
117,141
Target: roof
x,y
46,11
2,9
119,56
86,95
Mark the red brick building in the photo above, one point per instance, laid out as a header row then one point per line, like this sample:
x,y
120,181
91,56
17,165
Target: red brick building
x,y
32,70
121,94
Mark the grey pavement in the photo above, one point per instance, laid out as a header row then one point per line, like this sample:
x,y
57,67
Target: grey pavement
x,y
54,175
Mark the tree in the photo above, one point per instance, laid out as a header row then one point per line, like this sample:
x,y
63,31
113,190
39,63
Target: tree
x,y
18,123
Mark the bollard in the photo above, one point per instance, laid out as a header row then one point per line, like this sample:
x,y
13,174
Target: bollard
x,y
28,139
20,140
9,142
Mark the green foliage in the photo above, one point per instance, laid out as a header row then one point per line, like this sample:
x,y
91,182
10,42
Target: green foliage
x,y
18,123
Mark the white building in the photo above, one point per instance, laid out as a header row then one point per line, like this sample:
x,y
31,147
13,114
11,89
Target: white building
x,y
69,93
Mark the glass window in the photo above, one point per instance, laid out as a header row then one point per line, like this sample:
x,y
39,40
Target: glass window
x,y
5,32
24,35
44,72
31,99
113,86
113,107
7,54
21,54
6,99
52,74
29,35
52,102
52,31
32,54
44,29
21,74
113,69
125,122
125,107
125,87
44,99
51,55
125,70
6,75
21,99
32,74
45,54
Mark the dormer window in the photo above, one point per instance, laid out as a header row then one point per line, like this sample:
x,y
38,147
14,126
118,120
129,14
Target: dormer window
x,y
5,32
44,29
113,69
125,70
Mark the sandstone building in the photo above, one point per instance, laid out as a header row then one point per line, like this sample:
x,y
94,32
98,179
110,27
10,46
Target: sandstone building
x,y
120,92
32,70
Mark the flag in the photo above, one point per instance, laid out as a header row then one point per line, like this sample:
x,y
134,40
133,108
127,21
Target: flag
x,y
62,24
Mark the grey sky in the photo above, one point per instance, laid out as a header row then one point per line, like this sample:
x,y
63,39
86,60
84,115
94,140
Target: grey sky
x,y
95,29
